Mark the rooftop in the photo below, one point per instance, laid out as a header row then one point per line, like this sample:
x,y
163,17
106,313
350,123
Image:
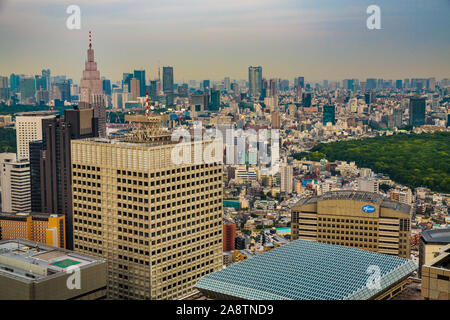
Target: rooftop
x,y
306,270
30,261
436,235
36,113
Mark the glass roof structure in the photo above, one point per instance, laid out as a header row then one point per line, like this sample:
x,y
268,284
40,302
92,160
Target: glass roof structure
x,y
307,270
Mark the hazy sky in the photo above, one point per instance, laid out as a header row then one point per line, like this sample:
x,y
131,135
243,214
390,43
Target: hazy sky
x,y
211,39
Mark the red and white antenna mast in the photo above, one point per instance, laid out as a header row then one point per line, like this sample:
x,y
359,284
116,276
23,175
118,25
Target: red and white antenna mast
x,y
146,104
90,40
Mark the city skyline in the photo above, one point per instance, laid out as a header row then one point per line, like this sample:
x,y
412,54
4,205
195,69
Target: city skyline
x,y
218,40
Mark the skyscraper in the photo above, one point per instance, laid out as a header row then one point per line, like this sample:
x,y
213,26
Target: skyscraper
x,y
14,82
29,128
126,81
416,111
106,86
300,82
206,85
371,84
4,88
140,74
254,81
329,115
27,89
168,84
215,100
46,76
286,178
51,169
92,90
226,83
153,92
159,224
134,88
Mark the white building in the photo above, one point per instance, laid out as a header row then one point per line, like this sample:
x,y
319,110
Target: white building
x,y
16,186
29,128
369,185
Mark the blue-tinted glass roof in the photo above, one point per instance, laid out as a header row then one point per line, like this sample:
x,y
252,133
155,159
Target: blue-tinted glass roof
x,y
306,270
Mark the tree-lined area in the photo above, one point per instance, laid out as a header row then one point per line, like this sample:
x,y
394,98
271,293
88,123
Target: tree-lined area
x,y
11,110
413,160
7,140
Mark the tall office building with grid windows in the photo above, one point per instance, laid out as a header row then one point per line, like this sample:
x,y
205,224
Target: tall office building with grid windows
x,y
158,224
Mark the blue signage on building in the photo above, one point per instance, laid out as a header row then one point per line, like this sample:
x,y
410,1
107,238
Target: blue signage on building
x,y
368,208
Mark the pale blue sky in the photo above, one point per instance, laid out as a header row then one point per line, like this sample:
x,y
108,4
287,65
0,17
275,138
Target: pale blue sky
x,y
210,39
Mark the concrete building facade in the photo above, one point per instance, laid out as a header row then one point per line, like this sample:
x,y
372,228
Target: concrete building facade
x,y
158,224
356,219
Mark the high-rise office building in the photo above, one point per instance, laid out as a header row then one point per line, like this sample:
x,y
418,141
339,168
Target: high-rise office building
x,y
46,75
398,117
27,89
254,81
206,85
153,92
126,81
215,100
16,189
416,111
4,88
356,219
273,87
307,99
140,74
14,82
168,85
61,91
159,224
329,115
29,128
229,235
92,91
134,88
51,177
227,83
371,84
106,86
300,82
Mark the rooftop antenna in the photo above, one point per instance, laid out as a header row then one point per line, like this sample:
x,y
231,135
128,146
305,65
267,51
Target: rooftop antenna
x,y
146,104
90,40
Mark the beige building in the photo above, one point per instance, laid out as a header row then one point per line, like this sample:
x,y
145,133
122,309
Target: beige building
x,y
431,241
29,128
33,271
356,219
436,276
158,224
